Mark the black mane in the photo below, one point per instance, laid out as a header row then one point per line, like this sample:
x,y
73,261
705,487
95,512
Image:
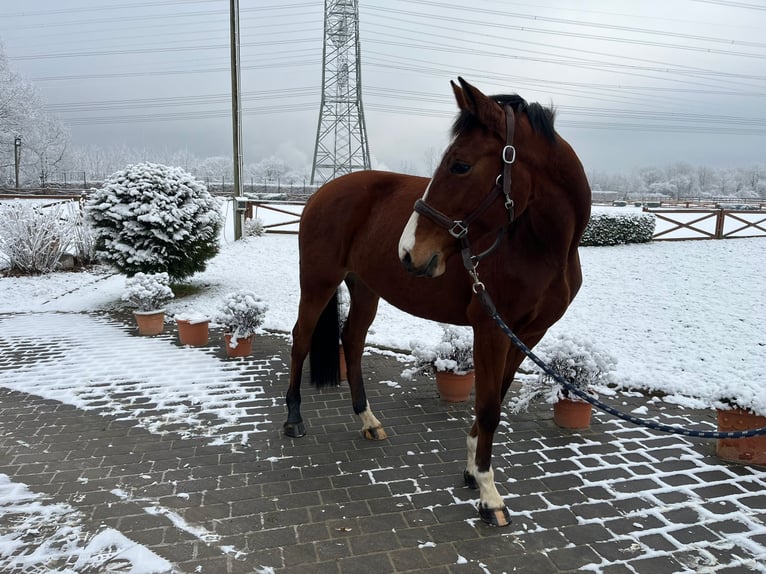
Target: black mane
x,y
540,117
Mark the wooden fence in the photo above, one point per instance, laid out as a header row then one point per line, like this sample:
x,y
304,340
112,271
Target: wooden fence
x,y
671,224
277,216
685,224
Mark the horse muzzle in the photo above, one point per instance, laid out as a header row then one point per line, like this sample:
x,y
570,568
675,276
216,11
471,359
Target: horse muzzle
x,y
432,267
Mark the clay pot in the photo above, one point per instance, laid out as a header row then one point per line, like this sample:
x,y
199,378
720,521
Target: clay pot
x,y
243,349
150,322
454,388
194,333
343,370
750,450
571,414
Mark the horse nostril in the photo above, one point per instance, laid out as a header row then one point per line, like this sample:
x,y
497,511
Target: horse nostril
x,y
407,261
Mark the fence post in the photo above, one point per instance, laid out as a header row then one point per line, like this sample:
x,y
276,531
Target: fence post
x,y
719,223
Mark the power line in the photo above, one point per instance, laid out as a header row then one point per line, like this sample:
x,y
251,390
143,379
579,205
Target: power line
x,y
564,33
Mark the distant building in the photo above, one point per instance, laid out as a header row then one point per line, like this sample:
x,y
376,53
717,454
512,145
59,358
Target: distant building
x,y
606,197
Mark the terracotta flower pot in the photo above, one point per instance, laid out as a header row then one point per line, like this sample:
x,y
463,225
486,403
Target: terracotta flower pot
x,y
454,388
343,370
751,450
150,322
573,415
194,333
243,349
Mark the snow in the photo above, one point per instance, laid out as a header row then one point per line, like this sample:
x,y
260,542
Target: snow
x,y
67,542
686,318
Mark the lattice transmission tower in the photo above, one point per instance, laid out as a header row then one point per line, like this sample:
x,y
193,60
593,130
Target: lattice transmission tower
x,y
341,143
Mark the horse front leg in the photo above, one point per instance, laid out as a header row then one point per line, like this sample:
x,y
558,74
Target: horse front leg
x,y
489,357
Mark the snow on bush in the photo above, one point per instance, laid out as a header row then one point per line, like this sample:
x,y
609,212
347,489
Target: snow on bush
x,y
153,218
574,358
241,313
254,227
32,237
82,238
147,292
615,229
453,353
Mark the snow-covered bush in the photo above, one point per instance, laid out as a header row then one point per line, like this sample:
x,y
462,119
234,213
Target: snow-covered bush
x,y
241,313
344,305
82,239
453,353
33,238
147,291
575,359
153,218
253,227
615,229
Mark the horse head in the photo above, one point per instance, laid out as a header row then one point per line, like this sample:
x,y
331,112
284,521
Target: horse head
x,y
472,182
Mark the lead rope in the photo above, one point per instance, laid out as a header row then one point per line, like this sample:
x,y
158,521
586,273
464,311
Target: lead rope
x,y
481,292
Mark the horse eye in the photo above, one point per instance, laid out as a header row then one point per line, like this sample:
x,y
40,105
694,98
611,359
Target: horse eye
x,y
460,168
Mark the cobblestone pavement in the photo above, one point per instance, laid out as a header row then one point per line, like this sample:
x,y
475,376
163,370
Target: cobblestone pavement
x,y
612,499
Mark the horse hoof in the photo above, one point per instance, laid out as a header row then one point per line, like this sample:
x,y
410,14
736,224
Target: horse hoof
x,y
375,433
495,516
470,480
294,430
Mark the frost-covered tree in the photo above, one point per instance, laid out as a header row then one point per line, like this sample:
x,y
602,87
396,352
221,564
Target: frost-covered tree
x,y
43,138
153,218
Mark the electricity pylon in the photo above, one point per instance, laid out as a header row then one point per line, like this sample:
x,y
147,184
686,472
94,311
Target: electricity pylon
x,y
341,143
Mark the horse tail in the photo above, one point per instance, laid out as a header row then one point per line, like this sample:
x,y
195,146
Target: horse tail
x,y
324,358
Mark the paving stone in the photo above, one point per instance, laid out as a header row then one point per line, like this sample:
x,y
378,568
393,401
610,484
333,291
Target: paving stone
x,y
573,558
332,502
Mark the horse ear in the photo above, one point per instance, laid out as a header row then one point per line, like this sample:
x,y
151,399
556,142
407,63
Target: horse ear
x,y
485,108
459,96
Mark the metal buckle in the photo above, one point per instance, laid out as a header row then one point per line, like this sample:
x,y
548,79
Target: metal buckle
x,y
458,229
506,149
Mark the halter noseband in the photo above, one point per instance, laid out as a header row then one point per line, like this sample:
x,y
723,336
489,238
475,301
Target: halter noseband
x,y
458,228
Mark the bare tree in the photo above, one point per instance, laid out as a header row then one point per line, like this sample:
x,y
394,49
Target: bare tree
x,y
43,137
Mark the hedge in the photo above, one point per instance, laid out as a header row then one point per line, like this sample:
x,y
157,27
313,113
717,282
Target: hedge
x,y
615,229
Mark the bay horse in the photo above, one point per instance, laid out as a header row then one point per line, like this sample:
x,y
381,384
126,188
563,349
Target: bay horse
x,y
362,228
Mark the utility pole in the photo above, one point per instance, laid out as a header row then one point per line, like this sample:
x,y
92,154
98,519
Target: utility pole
x,y
341,142
17,157
236,115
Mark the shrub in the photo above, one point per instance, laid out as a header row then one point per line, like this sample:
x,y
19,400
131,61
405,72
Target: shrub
x,y
254,227
615,229
241,313
147,292
82,239
453,353
583,365
33,238
153,218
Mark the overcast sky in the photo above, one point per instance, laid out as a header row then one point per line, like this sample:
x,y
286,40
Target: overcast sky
x,y
635,83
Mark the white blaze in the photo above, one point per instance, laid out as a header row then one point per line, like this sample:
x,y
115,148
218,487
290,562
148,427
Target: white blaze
x,y
407,240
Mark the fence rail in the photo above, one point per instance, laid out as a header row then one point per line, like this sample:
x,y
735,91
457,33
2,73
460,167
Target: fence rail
x,y
277,216
672,224
686,224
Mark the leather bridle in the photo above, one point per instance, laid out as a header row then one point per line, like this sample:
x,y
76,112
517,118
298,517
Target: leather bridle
x,y
458,228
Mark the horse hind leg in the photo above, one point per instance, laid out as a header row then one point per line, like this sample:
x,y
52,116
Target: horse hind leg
x,y
313,304
364,306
